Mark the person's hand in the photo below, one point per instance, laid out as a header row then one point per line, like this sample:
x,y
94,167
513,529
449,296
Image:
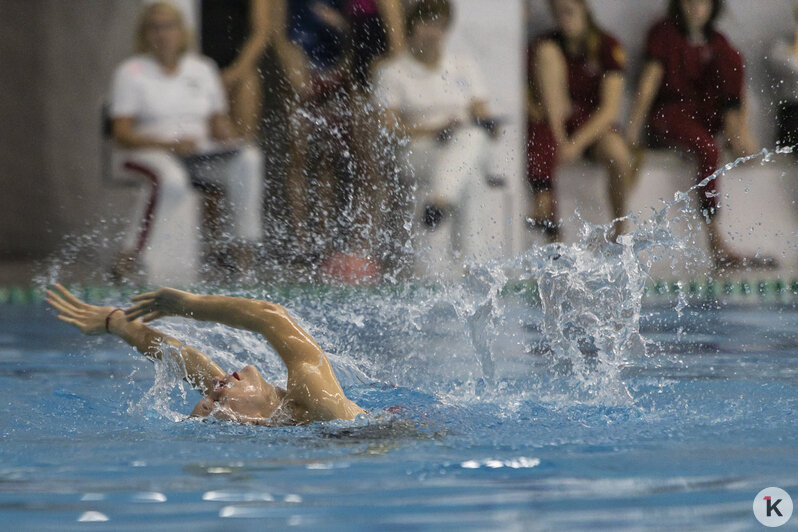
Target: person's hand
x,y
183,147
446,133
491,125
568,152
158,304
329,16
231,76
90,319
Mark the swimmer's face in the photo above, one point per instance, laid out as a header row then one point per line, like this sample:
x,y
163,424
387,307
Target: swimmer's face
x,y
243,397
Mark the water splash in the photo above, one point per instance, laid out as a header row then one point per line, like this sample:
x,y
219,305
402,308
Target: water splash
x,y
467,340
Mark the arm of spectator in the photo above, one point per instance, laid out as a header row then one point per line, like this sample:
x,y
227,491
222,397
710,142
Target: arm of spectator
x,y
291,57
222,128
483,117
392,120
124,134
393,18
330,17
647,90
781,61
551,77
601,120
735,124
259,37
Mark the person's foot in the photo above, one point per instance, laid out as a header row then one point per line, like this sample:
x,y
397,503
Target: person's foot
x,y
731,261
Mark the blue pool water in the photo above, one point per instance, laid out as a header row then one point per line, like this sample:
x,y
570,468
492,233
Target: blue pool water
x,y
498,430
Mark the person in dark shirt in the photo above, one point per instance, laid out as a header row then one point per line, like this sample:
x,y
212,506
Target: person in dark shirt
x,y
310,42
235,34
576,78
325,51
376,30
691,90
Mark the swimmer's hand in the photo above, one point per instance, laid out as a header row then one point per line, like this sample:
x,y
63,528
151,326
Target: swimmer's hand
x,y
160,304
90,319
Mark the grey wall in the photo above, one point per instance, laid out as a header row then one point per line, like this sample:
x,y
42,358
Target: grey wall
x,y
56,58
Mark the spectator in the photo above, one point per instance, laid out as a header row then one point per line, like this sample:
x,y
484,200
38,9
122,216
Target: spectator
x,y
169,114
377,29
690,90
436,100
235,34
575,90
311,42
783,63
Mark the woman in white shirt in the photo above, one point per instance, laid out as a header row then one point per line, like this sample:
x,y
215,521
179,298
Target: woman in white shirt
x,y
437,100
169,115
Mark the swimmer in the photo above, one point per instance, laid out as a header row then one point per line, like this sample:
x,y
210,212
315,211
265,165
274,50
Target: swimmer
x,y
312,392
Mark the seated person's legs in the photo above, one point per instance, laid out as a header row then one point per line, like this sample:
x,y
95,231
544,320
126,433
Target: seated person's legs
x,y
241,179
164,224
612,151
787,122
674,127
244,185
541,156
458,173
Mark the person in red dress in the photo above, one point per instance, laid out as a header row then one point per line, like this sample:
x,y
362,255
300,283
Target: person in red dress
x,y
575,89
691,89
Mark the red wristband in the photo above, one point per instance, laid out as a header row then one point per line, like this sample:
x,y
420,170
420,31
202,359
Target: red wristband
x,y
108,318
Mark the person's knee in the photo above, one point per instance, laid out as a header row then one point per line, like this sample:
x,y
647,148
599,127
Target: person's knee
x,y
252,156
615,154
171,174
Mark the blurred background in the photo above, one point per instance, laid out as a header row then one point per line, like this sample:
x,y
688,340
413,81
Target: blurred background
x,y
58,59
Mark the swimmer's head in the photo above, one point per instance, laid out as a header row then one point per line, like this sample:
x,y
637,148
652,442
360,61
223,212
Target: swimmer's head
x,y
243,396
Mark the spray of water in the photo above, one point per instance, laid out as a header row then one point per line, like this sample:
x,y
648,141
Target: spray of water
x,y
469,339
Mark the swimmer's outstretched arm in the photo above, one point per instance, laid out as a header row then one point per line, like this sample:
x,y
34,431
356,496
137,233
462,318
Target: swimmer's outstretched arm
x,y
269,319
91,319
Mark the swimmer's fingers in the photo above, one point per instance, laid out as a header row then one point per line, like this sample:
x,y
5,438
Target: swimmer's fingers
x,y
67,296
71,321
145,295
152,316
139,310
61,306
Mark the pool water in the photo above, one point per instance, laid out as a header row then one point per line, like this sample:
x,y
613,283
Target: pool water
x,y
497,431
